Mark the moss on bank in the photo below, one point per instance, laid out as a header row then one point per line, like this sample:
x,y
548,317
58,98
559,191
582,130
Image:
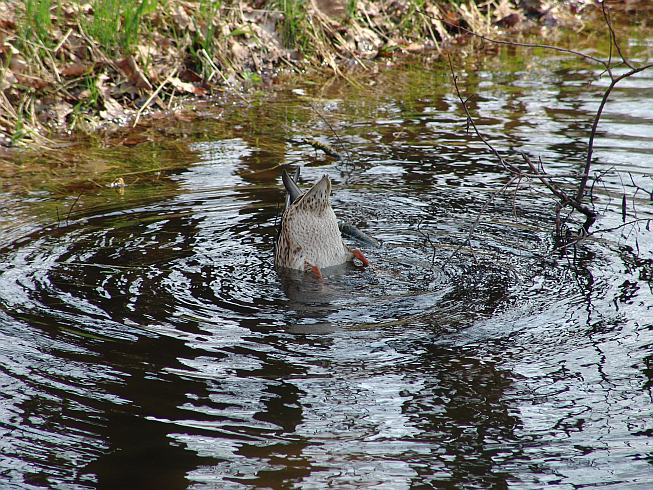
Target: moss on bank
x,y
68,65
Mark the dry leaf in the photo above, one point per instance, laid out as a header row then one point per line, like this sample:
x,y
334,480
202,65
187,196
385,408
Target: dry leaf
x,y
7,80
414,47
183,20
17,64
239,51
509,20
61,111
184,116
112,109
33,82
134,140
131,70
8,24
74,70
334,9
189,76
186,87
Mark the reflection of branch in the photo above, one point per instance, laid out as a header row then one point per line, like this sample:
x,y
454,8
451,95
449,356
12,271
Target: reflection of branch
x,y
335,133
522,44
427,237
582,237
477,220
470,121
638,188
72,206
564,199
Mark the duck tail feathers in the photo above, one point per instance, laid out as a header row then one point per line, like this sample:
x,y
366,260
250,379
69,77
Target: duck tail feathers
x,y
290,183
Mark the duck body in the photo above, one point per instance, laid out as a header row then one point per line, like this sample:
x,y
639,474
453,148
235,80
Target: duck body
x,y
309,238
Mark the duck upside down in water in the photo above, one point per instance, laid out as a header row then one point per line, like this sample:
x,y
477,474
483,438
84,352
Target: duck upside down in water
x,y
309,239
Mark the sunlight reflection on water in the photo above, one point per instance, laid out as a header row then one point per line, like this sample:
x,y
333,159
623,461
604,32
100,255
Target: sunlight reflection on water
x,y
148,338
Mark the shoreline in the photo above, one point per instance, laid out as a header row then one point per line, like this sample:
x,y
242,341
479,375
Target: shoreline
x,y
62,74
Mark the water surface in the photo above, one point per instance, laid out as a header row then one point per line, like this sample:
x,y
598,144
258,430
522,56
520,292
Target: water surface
x,y
147,341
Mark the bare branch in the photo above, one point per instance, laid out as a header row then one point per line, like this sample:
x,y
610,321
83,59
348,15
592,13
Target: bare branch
x,y
579,239
597,117
565,200
524,45
477,220
427,237
613,36
470,121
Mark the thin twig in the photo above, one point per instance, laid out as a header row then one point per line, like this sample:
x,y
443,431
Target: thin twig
x,y
427,237
70,210
335,133
588,162
522,44
613,36
153,95
470,121
565,200
603,230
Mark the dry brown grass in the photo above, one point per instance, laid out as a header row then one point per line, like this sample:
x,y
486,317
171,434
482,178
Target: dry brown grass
x,y
62,69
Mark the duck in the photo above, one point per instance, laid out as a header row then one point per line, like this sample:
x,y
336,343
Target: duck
x,y
309,239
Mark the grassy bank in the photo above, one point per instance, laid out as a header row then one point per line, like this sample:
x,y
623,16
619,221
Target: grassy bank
x,y
72,65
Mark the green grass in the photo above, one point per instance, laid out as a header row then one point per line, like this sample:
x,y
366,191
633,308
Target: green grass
x,y
207,12
37,21
203,37
294,15
412,23
113,24
117,23
351,9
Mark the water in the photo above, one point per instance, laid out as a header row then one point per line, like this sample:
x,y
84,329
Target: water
x,y
146,340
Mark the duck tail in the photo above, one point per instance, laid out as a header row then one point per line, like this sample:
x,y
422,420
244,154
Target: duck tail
x,y
290,183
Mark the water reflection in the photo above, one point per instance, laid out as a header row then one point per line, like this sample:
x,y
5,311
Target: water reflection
x,y
146,340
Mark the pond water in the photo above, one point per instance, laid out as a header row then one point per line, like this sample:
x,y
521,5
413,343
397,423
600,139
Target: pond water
x,y
146,340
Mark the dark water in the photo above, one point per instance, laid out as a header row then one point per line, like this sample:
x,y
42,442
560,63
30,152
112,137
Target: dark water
x,y
146,340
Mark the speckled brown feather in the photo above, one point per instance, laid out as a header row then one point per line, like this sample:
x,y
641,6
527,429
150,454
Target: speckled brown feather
x,y
309,235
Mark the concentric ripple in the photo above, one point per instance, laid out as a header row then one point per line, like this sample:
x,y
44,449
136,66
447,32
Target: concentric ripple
x,y
146,340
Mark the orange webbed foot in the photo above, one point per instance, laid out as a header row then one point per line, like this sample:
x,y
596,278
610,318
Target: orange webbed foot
x,y
359,255
314,269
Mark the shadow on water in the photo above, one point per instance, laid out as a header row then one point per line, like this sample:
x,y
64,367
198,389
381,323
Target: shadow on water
x,y
146,339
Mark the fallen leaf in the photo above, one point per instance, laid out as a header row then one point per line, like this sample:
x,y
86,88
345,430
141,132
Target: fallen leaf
x,y
239,51
334,9
8,24
112,109
134,140
7,80
17,64
186,87
189,76
74,70
183,20
131,70
33,82
414,47
184,116
508,21
61,111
